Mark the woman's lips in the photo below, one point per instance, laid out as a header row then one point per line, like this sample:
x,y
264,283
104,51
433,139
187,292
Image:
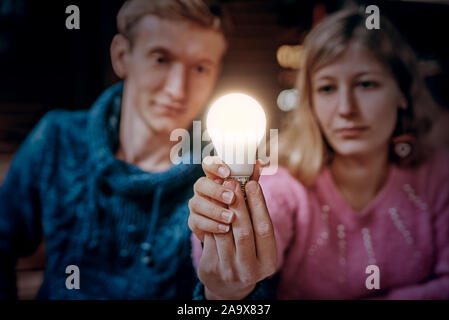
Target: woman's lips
x,y
351,132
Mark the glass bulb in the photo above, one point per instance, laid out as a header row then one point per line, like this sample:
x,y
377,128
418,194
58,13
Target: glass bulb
x,y
236,124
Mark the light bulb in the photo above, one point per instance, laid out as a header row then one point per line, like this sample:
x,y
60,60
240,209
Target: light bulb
x,y
236,124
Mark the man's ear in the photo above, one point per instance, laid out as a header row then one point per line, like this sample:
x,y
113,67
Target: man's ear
x,y
120,48
401,101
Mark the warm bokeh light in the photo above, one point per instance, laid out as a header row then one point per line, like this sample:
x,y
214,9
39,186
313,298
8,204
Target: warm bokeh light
x,y
288,99
289,56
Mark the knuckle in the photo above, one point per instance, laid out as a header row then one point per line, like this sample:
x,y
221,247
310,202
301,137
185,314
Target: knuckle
x,y
243,236
192,203
195,204
247,278
195,186
264,230
217,192
216,212
228,276
206,269
198,183
206,161
191,223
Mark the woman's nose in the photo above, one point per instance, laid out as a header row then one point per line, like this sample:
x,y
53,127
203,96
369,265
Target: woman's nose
x,y
347,105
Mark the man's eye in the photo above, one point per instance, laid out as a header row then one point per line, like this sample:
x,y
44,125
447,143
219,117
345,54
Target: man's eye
x,y
158,58
200,69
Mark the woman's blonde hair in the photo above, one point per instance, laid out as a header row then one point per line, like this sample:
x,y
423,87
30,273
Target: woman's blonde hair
x,y
303,148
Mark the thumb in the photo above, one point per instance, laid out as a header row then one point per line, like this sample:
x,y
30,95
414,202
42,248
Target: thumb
x,y
258,167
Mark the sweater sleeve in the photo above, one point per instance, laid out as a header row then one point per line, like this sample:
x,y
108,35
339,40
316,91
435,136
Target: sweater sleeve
x,y
20,226
281,203
437,286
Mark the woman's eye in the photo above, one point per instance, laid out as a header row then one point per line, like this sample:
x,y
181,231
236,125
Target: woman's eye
x,y
160,60
326,89
367,84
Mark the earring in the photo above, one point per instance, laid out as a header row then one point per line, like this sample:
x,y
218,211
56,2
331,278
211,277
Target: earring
x,y
403,145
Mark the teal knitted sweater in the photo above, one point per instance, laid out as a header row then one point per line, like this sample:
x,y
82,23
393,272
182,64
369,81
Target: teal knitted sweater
x,y
124,228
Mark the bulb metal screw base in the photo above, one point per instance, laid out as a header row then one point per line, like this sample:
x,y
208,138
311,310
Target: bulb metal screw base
x,y
242,180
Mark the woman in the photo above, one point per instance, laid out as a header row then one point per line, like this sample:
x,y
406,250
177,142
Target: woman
x,y
364,209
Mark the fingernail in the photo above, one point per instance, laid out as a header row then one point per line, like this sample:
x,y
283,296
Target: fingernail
x,y
223,171
217,181
252,187
227,216
223,228
227,196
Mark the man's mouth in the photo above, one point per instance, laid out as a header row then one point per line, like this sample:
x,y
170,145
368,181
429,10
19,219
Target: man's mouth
x,y
170,111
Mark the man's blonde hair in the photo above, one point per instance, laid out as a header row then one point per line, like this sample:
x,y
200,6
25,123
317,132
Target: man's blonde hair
x,y
205,13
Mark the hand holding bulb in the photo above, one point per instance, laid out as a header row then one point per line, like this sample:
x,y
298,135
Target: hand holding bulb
x,y
233,259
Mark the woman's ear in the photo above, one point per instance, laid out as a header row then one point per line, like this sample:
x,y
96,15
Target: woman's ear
x,y
402,103
120,48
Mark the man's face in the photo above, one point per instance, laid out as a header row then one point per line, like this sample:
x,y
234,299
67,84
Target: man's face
x,y
171,71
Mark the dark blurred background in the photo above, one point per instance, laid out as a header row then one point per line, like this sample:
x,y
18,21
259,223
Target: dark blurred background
x,y
44,66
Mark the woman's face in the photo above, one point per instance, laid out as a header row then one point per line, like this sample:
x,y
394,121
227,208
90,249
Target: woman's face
x,y
355,101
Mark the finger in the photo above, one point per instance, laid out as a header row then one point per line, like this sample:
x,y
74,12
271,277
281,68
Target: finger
x,y
206,187
214,168
226,251
256,171
218,203
242,229
199,234
205,207
262,226
200,224
258,167
209,249
218,181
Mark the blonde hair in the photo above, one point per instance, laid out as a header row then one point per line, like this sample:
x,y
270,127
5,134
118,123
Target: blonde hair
x,y
205,13
303,148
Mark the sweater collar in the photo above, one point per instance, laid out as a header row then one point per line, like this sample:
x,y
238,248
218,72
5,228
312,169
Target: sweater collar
x,y
122,177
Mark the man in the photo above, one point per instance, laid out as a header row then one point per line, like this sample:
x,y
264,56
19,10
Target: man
x,y
98,185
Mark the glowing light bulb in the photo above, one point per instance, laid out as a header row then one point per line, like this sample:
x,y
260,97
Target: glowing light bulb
x,y
236,124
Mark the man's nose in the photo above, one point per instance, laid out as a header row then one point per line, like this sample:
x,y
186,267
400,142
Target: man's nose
x,y
347,104
175,84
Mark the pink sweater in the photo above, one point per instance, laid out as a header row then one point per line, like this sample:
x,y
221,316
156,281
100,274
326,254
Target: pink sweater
x,y
324,246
